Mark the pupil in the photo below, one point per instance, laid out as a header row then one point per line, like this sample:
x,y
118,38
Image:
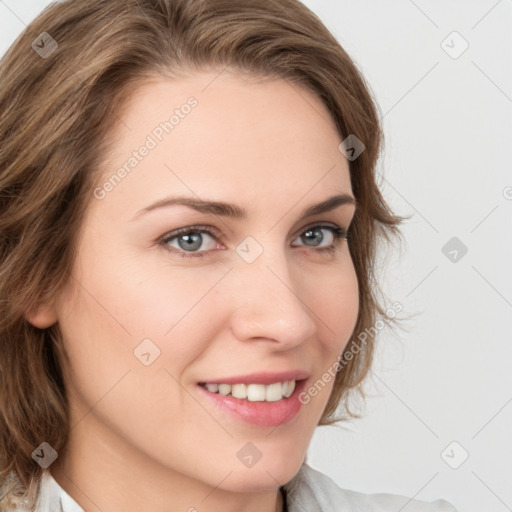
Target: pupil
x,y
192,241
311,234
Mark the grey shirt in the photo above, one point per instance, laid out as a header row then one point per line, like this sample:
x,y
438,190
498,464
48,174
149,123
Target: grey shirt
x,y
311,490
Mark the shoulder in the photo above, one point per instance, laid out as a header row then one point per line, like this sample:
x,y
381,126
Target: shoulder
x,y
46,496
12,495
312,490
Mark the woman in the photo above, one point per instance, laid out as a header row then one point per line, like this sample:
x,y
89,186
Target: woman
x,y
189,223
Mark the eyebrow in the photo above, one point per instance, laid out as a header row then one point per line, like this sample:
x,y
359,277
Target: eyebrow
x,y
235,211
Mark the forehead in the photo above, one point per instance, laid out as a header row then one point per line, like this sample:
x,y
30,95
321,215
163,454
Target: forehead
x,y
226,134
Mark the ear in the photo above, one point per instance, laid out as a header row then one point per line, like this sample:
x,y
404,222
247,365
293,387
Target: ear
x,y
42,316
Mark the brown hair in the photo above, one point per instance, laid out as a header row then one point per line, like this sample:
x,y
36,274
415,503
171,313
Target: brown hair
x,y
56,111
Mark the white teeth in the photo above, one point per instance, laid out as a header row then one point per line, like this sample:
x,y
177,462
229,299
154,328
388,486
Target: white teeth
x,y
239,390
224,389
212,387
274,392
255,392
288,390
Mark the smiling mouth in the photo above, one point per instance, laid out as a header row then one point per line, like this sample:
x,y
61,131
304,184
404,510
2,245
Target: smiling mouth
x,y
253,392
270,403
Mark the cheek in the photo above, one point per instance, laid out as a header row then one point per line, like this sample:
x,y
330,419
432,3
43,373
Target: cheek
x,y
145,295
124,314
334,299
104,322
336,308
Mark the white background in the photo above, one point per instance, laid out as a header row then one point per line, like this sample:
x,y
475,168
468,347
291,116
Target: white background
x,y
447,161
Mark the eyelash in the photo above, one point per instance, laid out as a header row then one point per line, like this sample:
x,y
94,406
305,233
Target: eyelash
x,y
339,234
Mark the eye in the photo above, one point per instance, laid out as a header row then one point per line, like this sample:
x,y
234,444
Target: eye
x,y
326,237
191,240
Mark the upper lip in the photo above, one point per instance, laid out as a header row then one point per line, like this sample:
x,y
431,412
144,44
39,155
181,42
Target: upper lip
x,y
260,378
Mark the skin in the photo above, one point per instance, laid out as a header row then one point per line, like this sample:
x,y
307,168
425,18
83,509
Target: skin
x,y
143,437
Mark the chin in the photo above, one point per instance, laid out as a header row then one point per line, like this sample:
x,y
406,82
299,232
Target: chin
x,y
267,474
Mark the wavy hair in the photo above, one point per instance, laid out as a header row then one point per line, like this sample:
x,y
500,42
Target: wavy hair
x,y
58,101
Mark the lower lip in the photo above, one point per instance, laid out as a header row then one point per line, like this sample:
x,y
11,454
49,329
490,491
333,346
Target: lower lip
x,y
262,414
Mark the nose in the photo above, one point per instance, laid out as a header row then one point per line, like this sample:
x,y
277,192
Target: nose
x,y
268,304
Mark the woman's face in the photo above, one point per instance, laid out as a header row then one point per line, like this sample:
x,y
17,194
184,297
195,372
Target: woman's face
x,y
250,293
